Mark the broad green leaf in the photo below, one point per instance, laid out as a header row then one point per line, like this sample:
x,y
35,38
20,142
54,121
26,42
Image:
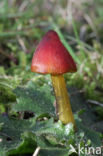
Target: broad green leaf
x,y
10,132
16,134
38,100
2,152
52,137
89,134
26,146
54,152
58,130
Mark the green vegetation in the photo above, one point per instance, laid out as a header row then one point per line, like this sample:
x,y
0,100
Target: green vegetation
x,y
27,114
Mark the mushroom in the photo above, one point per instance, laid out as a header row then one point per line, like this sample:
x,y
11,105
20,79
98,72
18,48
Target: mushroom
x,y
51,57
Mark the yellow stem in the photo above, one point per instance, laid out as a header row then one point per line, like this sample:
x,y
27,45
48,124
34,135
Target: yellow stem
x,y
62,99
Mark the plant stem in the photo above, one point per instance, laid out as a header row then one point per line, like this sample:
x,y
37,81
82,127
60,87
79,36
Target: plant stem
x,y
62,99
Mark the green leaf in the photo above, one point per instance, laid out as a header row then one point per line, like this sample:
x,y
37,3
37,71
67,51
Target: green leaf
x,y
28,143
58,130
90,134
54,151
51,137
2,152
38,100
11,131
16,135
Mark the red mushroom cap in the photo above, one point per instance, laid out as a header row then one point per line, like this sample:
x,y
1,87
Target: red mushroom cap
x,y
51,57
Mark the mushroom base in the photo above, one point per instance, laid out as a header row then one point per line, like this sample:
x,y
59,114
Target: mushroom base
x,y
62,99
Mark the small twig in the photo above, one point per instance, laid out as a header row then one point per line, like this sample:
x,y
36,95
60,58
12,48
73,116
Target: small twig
x,y
91,23
95,102
10,57
8,77
5,54
23,6
3,134
21,42
0,140
76,92
36,151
